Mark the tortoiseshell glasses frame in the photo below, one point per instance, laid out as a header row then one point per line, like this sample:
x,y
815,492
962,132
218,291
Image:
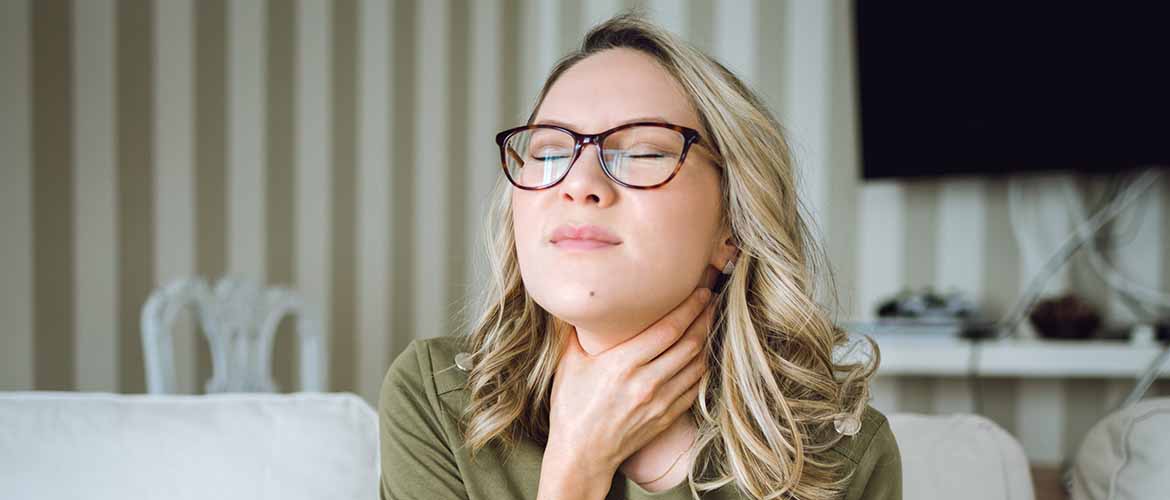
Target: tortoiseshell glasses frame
x,y
690,136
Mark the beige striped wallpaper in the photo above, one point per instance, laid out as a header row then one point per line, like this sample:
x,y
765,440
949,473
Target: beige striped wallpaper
x,y
345,148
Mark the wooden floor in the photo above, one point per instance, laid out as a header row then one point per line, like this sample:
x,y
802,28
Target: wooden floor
x,y
1046,480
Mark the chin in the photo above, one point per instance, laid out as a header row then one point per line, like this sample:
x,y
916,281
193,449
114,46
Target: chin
x,y
624,297
572,303
572,300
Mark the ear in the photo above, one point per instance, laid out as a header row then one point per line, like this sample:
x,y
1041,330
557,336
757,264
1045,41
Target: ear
x,y
725,250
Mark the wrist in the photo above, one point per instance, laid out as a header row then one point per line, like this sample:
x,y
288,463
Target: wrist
x,y
562,478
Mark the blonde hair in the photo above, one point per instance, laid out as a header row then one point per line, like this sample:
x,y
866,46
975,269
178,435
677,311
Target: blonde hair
x,y
766,409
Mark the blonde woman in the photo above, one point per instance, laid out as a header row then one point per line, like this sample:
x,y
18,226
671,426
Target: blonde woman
x,y
650,329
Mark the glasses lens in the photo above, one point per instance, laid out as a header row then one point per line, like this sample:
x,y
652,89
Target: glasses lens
x,y
537,157
643,155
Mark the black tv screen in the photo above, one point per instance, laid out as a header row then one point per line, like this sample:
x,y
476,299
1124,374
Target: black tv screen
x,y
988,87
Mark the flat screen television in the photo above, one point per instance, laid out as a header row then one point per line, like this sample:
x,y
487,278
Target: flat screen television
x,y
992,87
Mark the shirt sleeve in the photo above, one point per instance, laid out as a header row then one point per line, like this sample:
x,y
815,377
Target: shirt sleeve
x,y
417,461
879,472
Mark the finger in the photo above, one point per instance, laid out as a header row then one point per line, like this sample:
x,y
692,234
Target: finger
x,y
689,375
572,347
655,339
573,344
683,403
710,277
691,345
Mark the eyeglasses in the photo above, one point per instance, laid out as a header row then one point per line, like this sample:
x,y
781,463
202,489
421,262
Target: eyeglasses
x,y
641,155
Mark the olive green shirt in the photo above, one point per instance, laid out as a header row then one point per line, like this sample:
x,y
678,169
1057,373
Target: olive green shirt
x,y
423,457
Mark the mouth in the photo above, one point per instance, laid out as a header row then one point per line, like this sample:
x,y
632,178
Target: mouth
x,y
586,237
583,244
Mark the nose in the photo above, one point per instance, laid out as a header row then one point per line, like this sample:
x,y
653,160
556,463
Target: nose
x,y
586,181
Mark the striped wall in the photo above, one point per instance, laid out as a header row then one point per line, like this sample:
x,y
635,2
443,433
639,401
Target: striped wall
x,y
345,148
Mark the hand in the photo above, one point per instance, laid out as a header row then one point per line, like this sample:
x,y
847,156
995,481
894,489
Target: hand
x,y
606,407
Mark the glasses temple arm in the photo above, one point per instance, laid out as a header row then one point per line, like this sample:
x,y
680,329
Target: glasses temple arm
x,y
514,155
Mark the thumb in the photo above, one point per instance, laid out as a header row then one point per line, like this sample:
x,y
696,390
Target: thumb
x,y
572,347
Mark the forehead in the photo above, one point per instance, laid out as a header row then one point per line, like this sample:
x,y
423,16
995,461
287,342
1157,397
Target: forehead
x,y
613,87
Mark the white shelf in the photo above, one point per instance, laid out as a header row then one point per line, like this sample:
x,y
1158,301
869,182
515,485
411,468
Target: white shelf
x,y
950,356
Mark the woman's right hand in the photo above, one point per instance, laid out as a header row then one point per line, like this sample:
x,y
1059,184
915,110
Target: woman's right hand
x,y
606,407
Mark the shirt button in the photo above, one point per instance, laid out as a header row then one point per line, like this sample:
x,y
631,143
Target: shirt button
x,y
847,425
463,361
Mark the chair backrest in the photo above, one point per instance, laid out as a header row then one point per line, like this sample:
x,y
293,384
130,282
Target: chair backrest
x,y
239,321
959,457
61,445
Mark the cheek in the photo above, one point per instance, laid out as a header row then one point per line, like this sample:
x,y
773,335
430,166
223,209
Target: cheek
x,y
525,227
678,233
695,209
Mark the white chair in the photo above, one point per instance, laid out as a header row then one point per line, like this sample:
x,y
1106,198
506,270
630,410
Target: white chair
x,y
239,321
959,457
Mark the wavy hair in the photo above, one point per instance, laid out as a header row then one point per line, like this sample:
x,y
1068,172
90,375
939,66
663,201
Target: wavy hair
x,y
766,408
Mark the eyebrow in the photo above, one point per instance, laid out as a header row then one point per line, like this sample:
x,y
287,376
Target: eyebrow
x,y
655,119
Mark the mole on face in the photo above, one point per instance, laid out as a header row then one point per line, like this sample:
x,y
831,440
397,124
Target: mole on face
x,y
590,293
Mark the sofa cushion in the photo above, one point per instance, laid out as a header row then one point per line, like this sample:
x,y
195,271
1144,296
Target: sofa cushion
x,y
959,457
1126,456
64,445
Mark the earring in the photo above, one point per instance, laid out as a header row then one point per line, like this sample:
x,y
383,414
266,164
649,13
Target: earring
x,y
727,269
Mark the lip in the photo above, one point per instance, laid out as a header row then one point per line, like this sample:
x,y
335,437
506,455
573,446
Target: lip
x,y
584,237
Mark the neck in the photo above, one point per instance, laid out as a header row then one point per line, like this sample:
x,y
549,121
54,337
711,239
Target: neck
x,y
658,455
594,343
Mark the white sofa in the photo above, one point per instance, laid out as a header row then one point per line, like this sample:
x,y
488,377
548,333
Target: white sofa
x,y
960,457
1126,456
96,446
56,445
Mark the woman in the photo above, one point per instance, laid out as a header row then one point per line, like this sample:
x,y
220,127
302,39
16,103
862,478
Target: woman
x,y
601,365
